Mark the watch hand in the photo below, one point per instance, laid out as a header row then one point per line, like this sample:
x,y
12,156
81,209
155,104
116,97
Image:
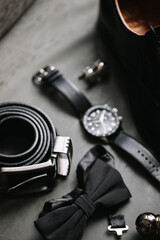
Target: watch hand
x,y
101,117
96,121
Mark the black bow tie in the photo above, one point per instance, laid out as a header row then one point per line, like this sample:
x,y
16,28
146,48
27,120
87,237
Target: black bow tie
x,y
99,186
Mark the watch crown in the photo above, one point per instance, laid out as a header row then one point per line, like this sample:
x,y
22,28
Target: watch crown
x,y
120,118
114,110
105,105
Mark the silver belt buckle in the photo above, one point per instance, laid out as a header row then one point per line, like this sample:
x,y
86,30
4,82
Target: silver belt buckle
x,y
17,179
62,152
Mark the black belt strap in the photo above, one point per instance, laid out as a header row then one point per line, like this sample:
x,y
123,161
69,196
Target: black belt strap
x,y
36,126
37,161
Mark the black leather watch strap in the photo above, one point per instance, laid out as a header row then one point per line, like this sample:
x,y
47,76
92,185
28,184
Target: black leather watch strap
x,y
139,152
53,78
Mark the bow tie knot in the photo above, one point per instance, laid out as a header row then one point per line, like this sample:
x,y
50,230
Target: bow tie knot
x,y
85,203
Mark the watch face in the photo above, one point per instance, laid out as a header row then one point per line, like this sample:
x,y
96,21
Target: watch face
x,y
101,121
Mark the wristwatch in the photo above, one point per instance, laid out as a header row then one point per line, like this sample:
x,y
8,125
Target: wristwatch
x,y
32,154
100,121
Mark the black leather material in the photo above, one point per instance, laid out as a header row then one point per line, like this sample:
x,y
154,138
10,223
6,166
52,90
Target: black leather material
x,y
131,146
117,220
140,57
137,151
76,98
99,186
36,126
26,143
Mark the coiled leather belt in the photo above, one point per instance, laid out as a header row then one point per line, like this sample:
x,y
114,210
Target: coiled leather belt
x,y
30,149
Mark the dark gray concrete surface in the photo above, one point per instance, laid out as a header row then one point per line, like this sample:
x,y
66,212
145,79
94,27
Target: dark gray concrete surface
x,y
62,33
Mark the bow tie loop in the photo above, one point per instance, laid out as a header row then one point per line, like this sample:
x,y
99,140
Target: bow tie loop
x,y
86,204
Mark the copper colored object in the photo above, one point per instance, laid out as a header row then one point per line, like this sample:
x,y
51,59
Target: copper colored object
x,y
148,224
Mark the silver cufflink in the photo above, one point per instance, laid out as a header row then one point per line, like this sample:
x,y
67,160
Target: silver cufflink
x,y
95,73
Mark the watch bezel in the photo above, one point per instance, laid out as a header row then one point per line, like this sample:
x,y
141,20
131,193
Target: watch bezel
x,y
114,111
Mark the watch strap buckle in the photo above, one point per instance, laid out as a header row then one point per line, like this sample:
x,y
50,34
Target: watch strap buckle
x,y
63,153
44,75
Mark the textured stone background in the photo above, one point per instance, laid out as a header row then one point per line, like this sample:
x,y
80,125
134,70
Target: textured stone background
x,y
10,12
63,33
